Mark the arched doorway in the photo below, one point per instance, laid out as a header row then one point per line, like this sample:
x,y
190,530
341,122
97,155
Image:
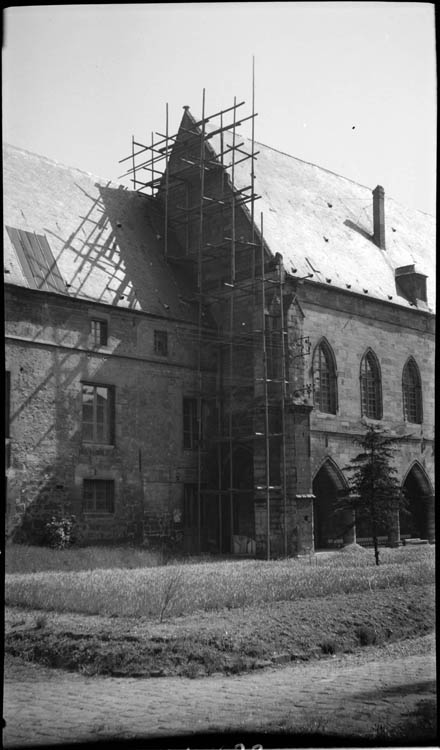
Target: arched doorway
x,y
418,518
332,528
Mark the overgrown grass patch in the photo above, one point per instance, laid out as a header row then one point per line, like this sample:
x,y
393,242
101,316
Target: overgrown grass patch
x,y
229,642
22,558
175,590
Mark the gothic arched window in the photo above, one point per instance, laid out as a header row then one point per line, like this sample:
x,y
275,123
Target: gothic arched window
x,y
324,379
371,390
412,392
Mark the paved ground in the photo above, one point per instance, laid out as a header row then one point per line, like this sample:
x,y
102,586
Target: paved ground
x,y
346,695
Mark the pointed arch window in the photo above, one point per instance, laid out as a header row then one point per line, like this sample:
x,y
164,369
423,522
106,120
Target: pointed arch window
x,y
412,392
324,378
371,389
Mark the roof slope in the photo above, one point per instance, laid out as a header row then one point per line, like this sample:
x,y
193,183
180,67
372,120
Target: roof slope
x,y
322,224
104,239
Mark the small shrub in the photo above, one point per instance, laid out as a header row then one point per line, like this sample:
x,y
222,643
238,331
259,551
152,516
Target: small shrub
x,y
192,670
61,532
366,635
171,585
328,646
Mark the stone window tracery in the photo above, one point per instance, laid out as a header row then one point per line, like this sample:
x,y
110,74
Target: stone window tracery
x,y
324,378
371,389
412,392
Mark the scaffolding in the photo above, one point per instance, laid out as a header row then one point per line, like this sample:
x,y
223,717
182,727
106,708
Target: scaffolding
x,y
192,174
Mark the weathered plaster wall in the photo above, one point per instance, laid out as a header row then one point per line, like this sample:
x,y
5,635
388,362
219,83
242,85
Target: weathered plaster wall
x,y
48,353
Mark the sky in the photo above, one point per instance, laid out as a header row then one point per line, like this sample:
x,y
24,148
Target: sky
x,y
349,86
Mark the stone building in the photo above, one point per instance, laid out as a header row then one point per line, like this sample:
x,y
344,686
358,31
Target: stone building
x,y
195,364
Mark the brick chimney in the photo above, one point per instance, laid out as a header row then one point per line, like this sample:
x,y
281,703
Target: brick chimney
x,y
379,216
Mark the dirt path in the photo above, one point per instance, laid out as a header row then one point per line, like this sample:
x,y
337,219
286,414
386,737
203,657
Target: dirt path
x,y
348,695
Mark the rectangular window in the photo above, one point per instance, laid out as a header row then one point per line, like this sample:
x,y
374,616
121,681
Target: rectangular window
x,y
98,496
190,424
99,332
161,343
97,414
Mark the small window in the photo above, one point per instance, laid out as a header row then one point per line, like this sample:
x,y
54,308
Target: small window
x,y
412,392
161,343
99,332
98,496
97,413
190,424
324,379
371,391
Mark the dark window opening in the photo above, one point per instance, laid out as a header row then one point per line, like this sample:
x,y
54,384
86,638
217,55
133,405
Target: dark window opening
x,y
99,332
412,393
161,343
371,391
97,413
98,496
324,379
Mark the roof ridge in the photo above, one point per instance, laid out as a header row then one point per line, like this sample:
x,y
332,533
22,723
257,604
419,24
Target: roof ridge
x,y
312,164
335,174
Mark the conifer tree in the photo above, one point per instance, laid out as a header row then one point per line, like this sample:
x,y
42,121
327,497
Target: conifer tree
x,y
374,493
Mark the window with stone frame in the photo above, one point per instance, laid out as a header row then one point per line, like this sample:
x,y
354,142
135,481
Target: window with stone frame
x,y
98,496
97,413
412,392
371,388
99,332
324,379
161,343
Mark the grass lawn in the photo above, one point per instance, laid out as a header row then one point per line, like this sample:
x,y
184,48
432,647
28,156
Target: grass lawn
x,y
221,616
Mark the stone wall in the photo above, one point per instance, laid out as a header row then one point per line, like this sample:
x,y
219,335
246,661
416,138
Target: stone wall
x,y
49,353
352,325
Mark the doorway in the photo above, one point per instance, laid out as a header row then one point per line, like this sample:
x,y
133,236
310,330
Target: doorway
x,y
414,520
332,528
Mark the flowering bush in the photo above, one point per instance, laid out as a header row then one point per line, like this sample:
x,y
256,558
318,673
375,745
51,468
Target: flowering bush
x,y
61,531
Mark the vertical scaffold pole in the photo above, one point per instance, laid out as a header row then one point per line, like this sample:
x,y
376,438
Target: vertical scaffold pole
x,y
152,163
266,399
231,334
253,171
165,240
283,401
200,321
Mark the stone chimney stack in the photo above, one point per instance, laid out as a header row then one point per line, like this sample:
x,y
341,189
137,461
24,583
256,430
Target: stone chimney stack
x,y
379,216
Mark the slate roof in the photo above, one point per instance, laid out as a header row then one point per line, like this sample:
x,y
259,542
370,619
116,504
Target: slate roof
x,y
322,224
103,238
